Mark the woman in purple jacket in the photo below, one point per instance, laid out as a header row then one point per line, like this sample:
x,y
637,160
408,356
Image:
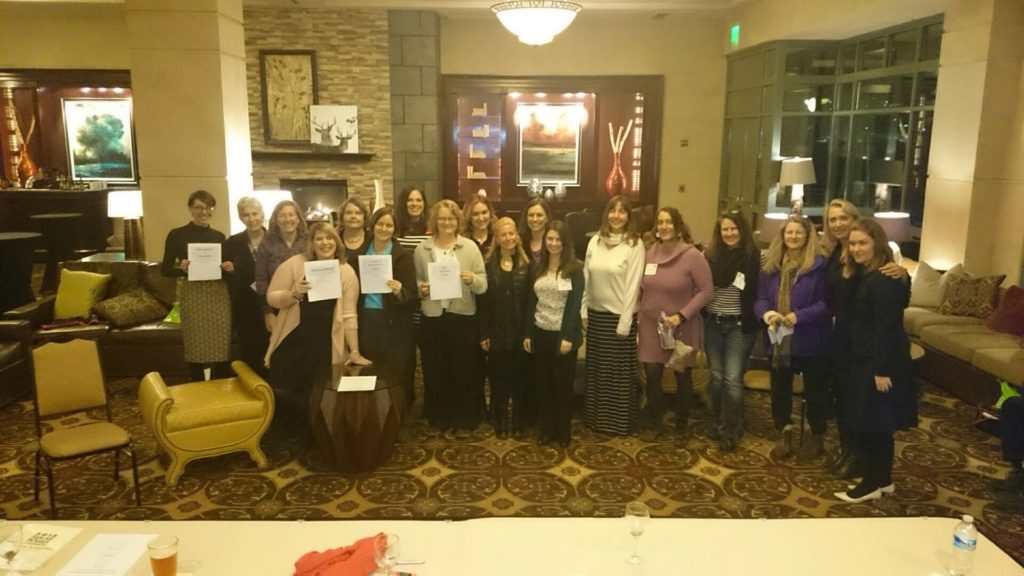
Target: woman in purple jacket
x,y
674,288
791,296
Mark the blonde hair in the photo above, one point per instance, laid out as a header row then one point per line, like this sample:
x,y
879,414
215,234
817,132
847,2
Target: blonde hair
x,y
519,254
327,228
777,250
829,240
467,214
451,206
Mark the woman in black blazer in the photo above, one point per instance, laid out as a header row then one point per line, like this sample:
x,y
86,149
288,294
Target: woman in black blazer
x,y
246,305
502,313
881,389
386,334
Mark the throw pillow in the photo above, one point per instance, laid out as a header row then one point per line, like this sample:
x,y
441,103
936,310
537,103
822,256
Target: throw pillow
x,y
77,293
131,308
1009,315
928,286
971,296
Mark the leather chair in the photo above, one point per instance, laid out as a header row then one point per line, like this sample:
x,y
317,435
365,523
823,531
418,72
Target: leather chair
x,y
15,364
69,380
580,224
204,419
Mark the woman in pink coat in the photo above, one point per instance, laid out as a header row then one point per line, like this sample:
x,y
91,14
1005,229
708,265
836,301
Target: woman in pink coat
x,y
674,288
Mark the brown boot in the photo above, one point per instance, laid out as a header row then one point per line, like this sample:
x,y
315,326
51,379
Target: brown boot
x,y
813,447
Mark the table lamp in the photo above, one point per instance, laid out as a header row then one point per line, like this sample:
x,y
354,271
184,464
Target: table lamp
x,y
127,205
885,173
796,172
897,229
771,225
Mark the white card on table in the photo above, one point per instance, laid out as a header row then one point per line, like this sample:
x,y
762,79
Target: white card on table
x,y
357,383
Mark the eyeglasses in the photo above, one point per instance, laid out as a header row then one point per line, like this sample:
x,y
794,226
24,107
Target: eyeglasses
x,y
200,208
447,219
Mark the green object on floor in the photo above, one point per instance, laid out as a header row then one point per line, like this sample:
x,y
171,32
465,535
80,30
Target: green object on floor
x,y
1006,391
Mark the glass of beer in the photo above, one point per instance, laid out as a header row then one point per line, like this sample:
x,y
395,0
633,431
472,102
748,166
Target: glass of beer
x,y
163,555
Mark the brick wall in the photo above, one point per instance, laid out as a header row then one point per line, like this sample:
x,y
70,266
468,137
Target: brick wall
x,y
352,58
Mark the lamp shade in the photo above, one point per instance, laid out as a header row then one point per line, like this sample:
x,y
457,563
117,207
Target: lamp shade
x,y
771,225
124,204
536,22
887,172
895,224
797,171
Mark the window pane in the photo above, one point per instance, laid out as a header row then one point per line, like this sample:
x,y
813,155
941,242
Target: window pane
x,y
914,201
807,137
931,42
845,97
871,54
847,59
808,98
877,160
903,48
926,84
811,62
890,92
744,102
840,156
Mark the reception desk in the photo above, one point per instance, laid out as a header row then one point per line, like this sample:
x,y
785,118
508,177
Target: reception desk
x,y
576,546
17,205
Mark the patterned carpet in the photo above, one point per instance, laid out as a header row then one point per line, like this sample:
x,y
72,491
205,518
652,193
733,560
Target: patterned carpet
x,y
942,468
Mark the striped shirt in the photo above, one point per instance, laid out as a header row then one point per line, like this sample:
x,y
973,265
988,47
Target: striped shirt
x,y
411,242
726,301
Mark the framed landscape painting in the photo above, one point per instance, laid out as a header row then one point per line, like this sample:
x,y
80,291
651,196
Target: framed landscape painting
x,y
549,142
99,139
288,89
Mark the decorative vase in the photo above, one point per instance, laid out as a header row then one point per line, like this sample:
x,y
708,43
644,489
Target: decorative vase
x,y
26,167
616,182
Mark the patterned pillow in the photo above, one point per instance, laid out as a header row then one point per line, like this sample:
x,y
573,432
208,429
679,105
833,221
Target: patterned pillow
x,y
131,308
971,296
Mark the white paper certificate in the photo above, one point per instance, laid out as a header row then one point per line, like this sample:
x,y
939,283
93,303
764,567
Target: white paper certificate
x,y
445,283
357,383
374,273
108,555
203,262
324,277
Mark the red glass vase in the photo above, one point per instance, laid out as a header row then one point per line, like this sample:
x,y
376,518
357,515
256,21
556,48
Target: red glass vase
x,y
616,182
26,166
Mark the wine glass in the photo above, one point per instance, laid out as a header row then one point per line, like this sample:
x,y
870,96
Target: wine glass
x,y
386,550
637,515
10,543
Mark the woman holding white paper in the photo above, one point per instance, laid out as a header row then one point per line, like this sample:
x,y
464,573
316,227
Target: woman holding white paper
x,y
386,318
448,319
310,336
205,305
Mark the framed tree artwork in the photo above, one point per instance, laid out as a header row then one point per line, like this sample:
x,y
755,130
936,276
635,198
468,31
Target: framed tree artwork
x,y
99,138
288,88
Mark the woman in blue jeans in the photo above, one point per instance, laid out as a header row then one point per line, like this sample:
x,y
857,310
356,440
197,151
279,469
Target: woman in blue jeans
x,y
730,325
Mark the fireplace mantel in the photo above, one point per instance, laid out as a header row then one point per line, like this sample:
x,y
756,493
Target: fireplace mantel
x,y
309,155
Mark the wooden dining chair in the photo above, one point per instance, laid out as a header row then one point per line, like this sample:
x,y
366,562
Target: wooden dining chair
x,y
69,380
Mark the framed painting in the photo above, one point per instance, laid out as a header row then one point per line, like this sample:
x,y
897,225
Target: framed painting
x,y
288,89
334,128
549,142
99,135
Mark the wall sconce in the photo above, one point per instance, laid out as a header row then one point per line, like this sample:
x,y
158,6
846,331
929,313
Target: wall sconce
x,y
536,22
885,173
127,205
796,172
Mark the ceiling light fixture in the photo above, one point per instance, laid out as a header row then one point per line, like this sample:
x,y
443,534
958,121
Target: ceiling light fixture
x,y
536,22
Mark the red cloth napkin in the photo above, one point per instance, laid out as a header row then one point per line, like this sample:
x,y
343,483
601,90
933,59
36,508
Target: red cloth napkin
x,y
355,560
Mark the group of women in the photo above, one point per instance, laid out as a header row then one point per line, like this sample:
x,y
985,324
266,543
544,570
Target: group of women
x,y
643,299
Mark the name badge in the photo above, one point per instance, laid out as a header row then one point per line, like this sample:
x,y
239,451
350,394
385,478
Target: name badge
x,y
650,269
564,284
740,281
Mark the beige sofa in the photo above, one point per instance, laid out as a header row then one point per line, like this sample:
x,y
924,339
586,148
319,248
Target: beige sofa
x,y
962,355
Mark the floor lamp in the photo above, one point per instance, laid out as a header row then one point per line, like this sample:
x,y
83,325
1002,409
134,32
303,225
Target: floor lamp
x,y
127,205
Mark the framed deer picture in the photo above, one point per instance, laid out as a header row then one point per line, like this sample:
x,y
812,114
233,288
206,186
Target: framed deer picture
x,y
334,127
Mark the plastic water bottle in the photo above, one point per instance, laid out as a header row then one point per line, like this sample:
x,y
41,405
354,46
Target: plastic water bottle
x,y
965,540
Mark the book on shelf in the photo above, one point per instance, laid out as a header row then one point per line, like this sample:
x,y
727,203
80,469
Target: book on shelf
x,y
481,132
481,111
476,153
470,173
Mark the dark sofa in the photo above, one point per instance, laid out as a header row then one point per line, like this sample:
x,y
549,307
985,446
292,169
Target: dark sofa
x,y
130,351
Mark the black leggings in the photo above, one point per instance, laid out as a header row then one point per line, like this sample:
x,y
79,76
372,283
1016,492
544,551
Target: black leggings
x,y
814,370
656,396
877,450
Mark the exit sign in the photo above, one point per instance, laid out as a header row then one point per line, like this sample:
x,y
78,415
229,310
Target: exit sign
x,y
734,35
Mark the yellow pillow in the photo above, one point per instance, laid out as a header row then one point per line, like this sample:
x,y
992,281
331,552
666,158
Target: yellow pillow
x,y
77,293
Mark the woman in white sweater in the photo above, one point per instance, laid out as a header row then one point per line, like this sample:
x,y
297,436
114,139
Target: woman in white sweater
x,y
612,272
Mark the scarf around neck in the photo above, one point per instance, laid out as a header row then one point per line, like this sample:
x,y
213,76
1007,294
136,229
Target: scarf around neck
x,y
612,239
726,264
